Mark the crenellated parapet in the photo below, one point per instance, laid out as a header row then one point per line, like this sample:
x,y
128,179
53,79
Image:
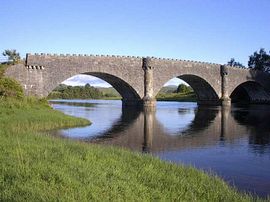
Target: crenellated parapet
x,y
46,55
72,56
38,67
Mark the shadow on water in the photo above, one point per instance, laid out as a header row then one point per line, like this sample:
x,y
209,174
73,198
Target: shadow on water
x,y
204,116
232,142
128,116
257,119
75,104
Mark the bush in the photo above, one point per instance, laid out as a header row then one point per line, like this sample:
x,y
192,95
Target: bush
x,y
182,88
2,69
9,88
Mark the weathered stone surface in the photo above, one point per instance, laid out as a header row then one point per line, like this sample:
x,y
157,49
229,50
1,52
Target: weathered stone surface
x,y
139,80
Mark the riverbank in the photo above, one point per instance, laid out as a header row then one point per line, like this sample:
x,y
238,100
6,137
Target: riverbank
x,y
179,97
38,167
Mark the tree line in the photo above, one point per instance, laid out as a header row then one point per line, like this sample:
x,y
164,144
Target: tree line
x,y
75,92
259,60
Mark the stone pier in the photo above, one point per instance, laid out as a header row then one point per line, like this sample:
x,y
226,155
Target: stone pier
x,y
225,98
149,99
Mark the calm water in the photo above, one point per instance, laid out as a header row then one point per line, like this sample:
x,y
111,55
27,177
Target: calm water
x,y
231,142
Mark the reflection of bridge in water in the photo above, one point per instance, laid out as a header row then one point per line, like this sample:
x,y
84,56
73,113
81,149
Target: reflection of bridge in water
x,y
143,132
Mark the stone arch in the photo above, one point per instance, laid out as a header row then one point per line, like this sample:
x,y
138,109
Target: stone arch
x,y
204,91
128,93
250,92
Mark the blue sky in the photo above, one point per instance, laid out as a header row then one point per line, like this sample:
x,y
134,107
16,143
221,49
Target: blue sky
x,y
203,30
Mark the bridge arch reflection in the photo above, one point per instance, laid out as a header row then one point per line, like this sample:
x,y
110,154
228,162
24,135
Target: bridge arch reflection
x,y
146,133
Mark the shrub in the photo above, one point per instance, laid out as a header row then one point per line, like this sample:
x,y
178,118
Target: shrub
x,y
10,88
2,69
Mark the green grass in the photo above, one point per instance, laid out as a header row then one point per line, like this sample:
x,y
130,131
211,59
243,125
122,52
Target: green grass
x,y
39,167
181,97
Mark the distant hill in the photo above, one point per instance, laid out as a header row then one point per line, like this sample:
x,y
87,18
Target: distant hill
x,y
168,89
108,92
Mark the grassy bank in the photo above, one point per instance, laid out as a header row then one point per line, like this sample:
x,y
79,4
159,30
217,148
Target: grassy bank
x,y
180,97
38,167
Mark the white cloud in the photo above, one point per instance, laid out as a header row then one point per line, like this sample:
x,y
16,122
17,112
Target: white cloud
x,y
175,81
81,80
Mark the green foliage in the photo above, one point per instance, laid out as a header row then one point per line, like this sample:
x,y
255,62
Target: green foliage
x,y
260,61
39,167
182,88
83,92
75,92
10,88
2,69
182,93
234,63
12,55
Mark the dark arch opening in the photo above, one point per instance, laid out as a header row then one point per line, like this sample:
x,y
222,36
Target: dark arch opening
x,y
250,92
128,94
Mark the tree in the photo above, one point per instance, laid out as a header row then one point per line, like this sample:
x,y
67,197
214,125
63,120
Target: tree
x,y
260,61
182,88
87,85
81,92
12,55
234,63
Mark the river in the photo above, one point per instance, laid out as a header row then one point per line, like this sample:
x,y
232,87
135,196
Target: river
x,y
233,142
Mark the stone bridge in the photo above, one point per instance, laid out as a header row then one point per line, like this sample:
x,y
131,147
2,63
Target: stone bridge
x,y
138,80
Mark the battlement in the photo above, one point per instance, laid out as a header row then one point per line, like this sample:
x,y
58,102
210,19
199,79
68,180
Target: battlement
x,y
110,56
34,67
47,55
77,55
